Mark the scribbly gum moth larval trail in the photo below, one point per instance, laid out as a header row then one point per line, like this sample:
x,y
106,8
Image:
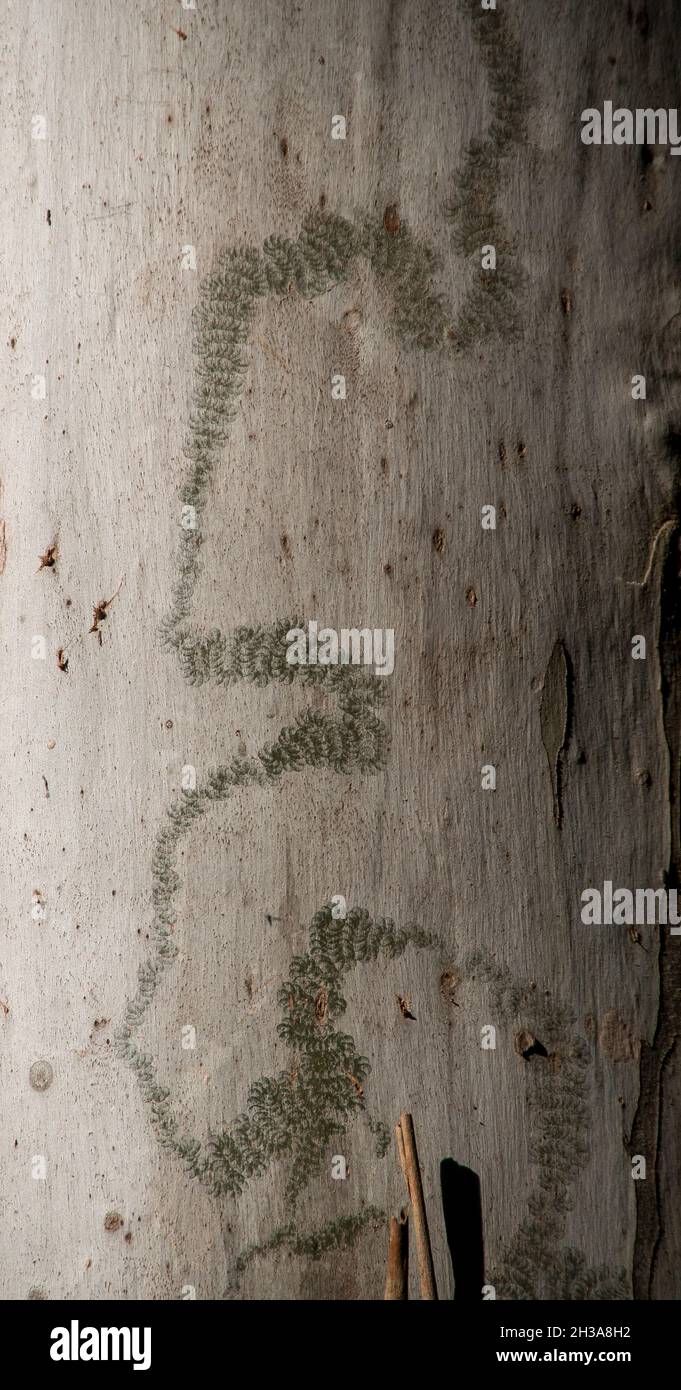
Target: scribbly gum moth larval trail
x,y
199,259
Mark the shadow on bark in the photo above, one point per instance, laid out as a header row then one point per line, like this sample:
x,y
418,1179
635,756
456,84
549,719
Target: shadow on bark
x,y
462,1211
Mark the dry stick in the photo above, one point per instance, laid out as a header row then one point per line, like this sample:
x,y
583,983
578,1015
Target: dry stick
x,y
397,1276
409,1160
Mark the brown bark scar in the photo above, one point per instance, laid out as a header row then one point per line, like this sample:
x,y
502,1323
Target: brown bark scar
x,y
615,1038
49,558
101,611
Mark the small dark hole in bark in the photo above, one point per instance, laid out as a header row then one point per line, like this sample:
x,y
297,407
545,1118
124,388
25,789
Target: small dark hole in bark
x,y
527,1046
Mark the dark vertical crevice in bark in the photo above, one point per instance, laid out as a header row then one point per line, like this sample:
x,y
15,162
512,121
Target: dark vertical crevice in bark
x,y
648,1127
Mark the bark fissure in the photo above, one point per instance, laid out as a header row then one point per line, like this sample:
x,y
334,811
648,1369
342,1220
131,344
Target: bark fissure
x,y
647,1129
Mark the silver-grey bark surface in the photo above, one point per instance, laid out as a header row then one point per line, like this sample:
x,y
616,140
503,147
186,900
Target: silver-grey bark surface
x,y
210,129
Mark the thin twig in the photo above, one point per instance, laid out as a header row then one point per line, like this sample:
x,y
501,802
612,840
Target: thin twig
x,y
409,1160
397,1275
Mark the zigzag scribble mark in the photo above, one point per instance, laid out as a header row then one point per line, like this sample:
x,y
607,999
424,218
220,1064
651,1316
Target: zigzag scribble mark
x,y
355,739
536,1264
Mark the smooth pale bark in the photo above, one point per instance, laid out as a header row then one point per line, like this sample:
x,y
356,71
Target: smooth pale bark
x,y
168,129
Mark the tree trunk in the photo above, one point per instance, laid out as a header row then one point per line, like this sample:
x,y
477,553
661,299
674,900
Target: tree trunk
x,y
260,374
